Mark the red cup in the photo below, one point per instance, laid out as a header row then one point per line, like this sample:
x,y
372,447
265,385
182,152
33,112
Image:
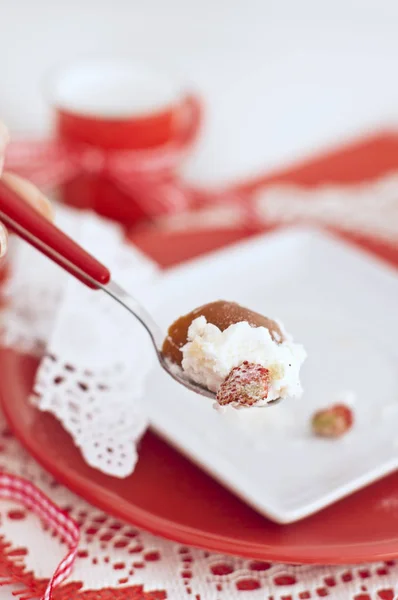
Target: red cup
x,y
113,106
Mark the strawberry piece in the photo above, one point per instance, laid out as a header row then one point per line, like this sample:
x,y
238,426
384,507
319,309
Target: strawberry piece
x,y
332,422
245,385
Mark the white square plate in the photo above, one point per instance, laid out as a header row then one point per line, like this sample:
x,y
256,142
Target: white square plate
x,y
342,304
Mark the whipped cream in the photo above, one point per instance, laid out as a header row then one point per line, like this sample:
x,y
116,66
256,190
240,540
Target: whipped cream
x,y
210,354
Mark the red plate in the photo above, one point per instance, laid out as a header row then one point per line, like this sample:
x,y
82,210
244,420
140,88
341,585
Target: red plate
x,y
171,497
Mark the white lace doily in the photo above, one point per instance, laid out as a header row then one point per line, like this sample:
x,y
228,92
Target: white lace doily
x,y
369,208
96,355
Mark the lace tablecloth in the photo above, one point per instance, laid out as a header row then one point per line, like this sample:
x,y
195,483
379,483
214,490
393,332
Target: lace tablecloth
x,y
118,562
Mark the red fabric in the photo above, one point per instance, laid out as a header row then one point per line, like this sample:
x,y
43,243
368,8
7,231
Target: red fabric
x,y
361,160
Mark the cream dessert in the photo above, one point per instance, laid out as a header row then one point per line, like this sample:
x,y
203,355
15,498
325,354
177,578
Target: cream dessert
x,y
244,357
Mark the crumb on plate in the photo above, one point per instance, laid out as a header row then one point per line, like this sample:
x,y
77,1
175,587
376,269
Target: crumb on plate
x,y
333,421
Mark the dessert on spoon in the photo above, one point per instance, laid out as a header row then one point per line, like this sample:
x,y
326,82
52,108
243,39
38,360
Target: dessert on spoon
x,y
220,350
245,358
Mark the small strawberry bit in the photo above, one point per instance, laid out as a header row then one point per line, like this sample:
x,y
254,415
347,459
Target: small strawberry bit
x,y
245,385
332,422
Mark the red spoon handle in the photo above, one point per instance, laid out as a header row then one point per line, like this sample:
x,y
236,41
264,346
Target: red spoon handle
x,y
30,225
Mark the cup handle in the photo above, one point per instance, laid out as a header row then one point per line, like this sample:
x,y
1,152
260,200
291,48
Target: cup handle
x,y
190,118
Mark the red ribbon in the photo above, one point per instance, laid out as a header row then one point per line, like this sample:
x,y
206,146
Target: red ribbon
x,y
24,492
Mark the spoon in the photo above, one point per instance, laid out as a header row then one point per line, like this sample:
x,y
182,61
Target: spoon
x,y
31,226
28,224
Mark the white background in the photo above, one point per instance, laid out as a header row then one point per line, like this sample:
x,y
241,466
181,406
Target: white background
x,y
280,78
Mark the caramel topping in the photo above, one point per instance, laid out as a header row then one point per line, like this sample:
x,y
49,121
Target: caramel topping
x,y
220,313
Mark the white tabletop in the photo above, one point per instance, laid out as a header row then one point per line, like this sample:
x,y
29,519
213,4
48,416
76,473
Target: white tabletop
x,y
280,79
